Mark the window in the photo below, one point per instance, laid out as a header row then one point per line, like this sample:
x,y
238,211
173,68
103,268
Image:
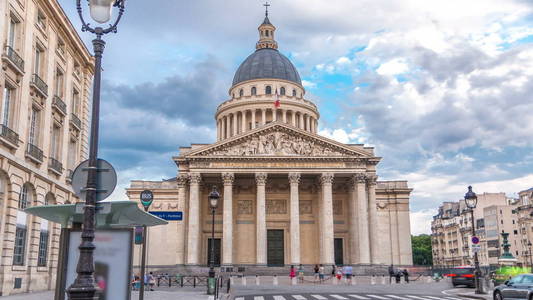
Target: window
x,y
43,249
55,148
24,197
6,105
513,222
75,101
268,90
254,91
71,159
60,46
241,93
294,93
59,80
282,91
515,232
34,126
20,245
38,59
12,35
266,32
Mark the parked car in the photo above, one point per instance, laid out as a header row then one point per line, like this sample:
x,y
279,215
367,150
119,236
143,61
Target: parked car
x,y
462,276
518,287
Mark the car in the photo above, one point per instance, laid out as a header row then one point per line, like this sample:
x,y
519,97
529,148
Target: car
x,y
463,276
518,287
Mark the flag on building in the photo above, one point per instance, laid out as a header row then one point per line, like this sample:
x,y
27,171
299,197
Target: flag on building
x,y
277,103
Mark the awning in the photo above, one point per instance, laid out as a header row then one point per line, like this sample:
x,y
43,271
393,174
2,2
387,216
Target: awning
x,y
110,214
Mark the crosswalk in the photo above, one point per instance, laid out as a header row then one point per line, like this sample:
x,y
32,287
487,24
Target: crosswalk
x,y
344,297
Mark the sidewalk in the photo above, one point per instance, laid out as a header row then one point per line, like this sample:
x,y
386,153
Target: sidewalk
x,y
198,294
473,295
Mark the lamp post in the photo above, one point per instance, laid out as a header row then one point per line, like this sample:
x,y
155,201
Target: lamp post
x,y
471,202
530,254
84,287
213,198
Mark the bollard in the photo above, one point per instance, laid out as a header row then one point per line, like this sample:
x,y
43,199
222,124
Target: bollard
x,y
231,280
344,280
383,279
429,279
335,280
275,280
256,279
372,280
243,280
293,281
402,280
353,281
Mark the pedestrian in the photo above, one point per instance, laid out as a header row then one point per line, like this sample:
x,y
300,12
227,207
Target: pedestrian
x,y
316,271
398,276
292,273
406,275
391,273
321,273
333,270
348,272
338,273
151,281
301,273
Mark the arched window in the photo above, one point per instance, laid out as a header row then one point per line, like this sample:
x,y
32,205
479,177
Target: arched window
x,y
19,250
266,33
254,91
25,197
294,93
282,90
241,93
268,90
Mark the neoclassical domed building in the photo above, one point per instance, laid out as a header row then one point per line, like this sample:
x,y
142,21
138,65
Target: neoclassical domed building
x,y
289,195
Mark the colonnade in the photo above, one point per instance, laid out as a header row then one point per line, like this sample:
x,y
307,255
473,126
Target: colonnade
x,y
362,214
239,122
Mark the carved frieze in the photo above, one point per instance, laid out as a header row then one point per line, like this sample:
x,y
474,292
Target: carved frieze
x,y
306,207
244,207
276,207
182,179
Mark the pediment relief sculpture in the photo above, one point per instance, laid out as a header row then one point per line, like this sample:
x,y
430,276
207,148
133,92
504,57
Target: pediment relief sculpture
x,y
278,144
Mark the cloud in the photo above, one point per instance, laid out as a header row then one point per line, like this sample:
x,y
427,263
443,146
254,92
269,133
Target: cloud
x,y
421,221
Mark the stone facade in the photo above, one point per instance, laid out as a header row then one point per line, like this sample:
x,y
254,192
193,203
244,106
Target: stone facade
x,y
45,79
288,195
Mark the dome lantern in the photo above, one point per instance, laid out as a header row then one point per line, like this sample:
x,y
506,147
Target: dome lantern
x,y
266,33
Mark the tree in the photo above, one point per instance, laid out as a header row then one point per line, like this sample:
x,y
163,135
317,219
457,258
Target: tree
x,y
422,252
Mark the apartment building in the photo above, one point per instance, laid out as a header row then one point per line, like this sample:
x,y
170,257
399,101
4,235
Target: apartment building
x,y
452,230
45,79
524,214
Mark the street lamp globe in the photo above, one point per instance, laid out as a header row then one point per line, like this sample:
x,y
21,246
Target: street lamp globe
x,y
470,198
214,196
101,10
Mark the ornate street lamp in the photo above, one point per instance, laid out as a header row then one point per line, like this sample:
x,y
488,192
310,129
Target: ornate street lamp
x,y
84,287
471,203
530,254
213,198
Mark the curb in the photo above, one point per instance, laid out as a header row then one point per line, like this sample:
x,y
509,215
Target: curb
x,y
475,296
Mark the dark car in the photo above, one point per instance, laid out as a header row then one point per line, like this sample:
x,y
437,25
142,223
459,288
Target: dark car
x,y
518,287
462,276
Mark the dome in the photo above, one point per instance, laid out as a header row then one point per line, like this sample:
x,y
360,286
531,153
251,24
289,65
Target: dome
x,y
267,63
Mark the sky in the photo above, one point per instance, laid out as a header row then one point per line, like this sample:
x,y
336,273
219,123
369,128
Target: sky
x,y
442,89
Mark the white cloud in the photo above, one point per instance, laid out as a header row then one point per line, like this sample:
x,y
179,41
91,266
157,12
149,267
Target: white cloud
x,y
308,84
421,221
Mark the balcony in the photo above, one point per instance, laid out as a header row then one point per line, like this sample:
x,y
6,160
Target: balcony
x,y
75,121
12,57
68,177
55,166
9,137
34,153
40,86
58,104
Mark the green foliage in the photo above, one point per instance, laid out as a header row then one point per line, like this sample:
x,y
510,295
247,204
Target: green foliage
x,y
421,245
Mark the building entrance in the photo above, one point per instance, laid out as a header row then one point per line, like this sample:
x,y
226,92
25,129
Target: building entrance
x,y
275,247
339,254
217,251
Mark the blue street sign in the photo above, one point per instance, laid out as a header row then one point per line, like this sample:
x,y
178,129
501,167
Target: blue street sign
x,y
168,215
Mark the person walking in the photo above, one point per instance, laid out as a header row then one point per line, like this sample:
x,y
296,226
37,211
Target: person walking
x,y
348,272
151,281
406,275
391,273
301,273
321,273
292,273
317,272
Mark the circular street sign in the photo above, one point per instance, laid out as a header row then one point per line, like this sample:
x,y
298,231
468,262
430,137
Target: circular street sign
x,y
475,240
146,198
106,179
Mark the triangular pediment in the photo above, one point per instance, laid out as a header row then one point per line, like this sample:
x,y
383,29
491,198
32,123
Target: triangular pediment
x,y
279,140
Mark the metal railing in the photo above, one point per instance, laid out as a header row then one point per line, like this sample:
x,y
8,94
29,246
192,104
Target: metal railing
x,y
59,104
15,58
9,134
55,165
75,120
34,152
40,84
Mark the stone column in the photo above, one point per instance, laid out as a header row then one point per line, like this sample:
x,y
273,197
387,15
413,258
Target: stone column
x,y
373,218
182,193
193,250
294,180
235,126
293,118
253,118
263,116
362,216
327,233
274,114
243,126
227,219
302,126
307,123
261,231
312,123
228,126
353,217
284,112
